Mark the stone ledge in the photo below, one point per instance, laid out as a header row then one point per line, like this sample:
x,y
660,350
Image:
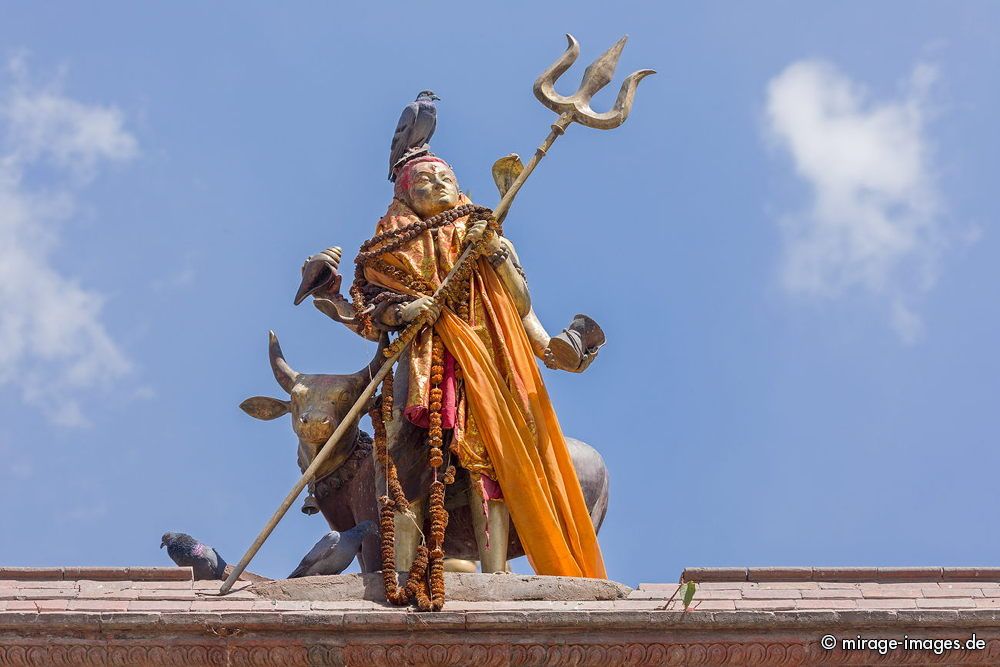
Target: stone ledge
x,y
740,616
460,586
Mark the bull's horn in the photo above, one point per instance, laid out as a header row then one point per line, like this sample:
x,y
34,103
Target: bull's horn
x,y
369,371
283,373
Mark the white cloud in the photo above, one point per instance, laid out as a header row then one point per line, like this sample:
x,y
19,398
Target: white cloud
x,y
874,223
53,344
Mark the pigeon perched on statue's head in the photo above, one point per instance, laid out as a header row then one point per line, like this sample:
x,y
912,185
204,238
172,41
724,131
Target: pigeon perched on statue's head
x,y
335,551
189,552
414,130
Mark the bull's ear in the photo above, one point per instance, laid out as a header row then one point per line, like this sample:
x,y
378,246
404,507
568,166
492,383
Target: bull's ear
x,y
265,407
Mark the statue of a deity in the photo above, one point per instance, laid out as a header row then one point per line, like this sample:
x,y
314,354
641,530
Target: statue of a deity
x,y
471,380
443,292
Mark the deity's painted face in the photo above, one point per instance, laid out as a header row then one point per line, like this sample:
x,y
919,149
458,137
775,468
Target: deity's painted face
x,y
433,189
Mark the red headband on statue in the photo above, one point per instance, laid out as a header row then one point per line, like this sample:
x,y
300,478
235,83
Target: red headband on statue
x,y
405,173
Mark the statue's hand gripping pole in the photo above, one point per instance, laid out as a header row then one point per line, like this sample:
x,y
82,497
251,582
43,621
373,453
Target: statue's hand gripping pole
x,y
572,109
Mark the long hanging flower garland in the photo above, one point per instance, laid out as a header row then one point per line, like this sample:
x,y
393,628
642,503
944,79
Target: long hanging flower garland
x,y
438,514
425,582
380,412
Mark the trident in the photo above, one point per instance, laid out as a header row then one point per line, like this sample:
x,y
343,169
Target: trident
x,y
574,108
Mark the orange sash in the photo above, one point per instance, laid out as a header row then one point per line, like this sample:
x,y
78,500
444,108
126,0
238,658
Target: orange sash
x,y
510,406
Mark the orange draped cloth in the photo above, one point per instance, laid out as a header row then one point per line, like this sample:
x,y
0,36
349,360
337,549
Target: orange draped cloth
x,y
507,428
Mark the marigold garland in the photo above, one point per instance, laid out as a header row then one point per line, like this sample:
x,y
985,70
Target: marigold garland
x,y
379,410
425,583
438,514
418,581
372,249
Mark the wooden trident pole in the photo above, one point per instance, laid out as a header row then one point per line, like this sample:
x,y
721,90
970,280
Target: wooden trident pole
x,y
571,109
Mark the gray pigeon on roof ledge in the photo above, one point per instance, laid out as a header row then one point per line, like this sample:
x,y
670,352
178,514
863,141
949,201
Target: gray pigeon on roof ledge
x,y
334,552
186,551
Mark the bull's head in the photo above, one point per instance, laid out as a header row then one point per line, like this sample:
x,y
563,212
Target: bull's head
x,y
318,403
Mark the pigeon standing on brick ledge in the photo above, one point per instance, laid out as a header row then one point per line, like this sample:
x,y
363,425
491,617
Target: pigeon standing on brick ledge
x,y
189,552
334,552
414,129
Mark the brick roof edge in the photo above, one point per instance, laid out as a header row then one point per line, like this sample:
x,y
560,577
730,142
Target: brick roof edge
x,y
841,574
72,573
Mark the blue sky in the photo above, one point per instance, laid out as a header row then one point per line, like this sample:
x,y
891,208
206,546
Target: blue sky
x,y
790,244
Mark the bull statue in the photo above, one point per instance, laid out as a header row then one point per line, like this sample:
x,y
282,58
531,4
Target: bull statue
x,y
344,489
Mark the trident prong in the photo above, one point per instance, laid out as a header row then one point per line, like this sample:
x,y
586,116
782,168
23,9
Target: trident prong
x,y
595,77
575,108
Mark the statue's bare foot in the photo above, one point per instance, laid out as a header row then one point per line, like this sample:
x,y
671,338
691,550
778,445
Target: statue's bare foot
x,y
459,565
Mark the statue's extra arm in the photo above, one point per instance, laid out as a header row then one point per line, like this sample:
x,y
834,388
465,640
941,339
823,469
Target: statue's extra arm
x,y
508,268
537,335
340,310
388,315
321,279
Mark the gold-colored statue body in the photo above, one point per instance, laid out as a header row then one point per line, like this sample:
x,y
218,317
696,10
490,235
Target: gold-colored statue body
x,y
432,189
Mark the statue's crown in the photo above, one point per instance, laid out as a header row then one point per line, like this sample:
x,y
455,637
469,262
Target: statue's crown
x,y
410,154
